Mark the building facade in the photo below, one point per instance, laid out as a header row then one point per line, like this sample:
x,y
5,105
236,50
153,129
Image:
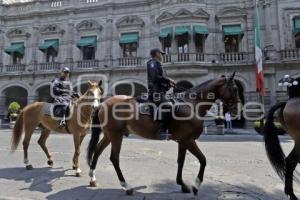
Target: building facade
x,y
203,39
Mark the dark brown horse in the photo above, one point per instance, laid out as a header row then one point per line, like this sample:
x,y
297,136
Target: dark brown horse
x,y
185,132
289,115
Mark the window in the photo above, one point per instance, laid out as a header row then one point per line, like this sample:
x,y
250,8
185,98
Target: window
x,y
17,58
199,43
183,43
51,55
129,50
88,53
231,43
297,40
166,44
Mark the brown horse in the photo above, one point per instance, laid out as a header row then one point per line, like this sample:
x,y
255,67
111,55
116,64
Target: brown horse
x,y
289,116
184,131
78,123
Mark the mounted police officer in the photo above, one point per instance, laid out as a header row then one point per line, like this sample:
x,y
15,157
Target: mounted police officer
x,y
158,85
63,93
293,86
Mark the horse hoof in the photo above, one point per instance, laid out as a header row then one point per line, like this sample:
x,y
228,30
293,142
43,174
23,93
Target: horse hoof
x,y
29,167
195,190
93,184
74,167
185,189
78,175
50,163
129,192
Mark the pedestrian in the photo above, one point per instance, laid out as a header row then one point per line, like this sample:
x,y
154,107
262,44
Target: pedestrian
x,y
228,121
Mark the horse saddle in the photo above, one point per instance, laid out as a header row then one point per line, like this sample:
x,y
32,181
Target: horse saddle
x,y
55,110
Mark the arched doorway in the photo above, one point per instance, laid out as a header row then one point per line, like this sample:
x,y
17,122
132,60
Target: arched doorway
x,y
15,94
81,89
182,86
44,94
134,89
240,123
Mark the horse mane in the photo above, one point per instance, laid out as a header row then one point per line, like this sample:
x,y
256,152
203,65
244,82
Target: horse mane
x,y
202,86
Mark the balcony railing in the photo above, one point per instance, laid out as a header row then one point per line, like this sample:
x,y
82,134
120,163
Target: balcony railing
x,y
88,64
167,58
130,61
290,54
234,57
199,57
14,68
52,66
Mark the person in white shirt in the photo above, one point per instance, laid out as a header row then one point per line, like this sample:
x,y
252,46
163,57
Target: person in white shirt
x,y
228,121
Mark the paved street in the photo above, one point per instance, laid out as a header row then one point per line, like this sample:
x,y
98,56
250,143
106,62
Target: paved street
x,y
237,169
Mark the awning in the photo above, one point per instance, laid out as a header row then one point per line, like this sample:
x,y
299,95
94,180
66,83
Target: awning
x,y
54,43
296,26
166,32
87,41
181,30
232,30
127,38
17,47
202,30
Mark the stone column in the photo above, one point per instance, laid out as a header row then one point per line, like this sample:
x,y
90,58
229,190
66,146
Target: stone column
x,y
108,37
2,105
268,24
31,98
70,43
34,44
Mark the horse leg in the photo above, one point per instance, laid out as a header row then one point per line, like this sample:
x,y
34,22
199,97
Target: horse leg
x,y
77,140
194,149
290,164
115,159
180,162
42,142
29,128
98,151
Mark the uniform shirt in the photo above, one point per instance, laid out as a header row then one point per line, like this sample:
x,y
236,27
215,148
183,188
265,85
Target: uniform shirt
x,y
61,87
157,82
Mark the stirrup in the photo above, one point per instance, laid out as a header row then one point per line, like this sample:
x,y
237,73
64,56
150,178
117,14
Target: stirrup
x,y
62,124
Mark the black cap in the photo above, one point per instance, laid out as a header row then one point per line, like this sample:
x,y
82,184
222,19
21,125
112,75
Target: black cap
x,y
156,50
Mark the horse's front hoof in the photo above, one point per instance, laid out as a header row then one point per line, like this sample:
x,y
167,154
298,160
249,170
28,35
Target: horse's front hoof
x,y
50,163
129,192
185,189
93,184
29,167
78,174
74,167
195,190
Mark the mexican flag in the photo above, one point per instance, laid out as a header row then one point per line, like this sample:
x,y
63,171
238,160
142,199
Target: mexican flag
x,y
258,56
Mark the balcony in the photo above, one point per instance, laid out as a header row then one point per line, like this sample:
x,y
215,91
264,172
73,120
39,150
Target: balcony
x,y
234,58
14,68
290,54
47,67
88,64
130,61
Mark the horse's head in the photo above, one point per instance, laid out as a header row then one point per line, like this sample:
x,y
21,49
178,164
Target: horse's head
x,y
228,94
94,93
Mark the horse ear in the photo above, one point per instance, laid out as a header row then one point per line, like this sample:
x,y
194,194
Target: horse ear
x,y
90,83
232,76
100,83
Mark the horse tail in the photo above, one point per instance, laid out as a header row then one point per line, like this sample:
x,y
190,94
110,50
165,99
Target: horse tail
x,y
95,137
17,132
272,144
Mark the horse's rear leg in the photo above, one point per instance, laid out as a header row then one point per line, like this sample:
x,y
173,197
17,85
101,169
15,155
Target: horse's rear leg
x,y
291,164
29,128
116,143
98,151
194,149
42,142
180,162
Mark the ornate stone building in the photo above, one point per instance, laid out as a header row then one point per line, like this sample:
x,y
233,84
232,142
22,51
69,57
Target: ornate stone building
x,y
203,39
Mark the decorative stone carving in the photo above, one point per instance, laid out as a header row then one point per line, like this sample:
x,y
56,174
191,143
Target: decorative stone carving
x,y
183,13
169,2
232,12
17,32
88,25
51,29
130,21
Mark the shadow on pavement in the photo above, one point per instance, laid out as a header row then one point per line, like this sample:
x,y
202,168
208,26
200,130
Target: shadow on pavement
x,y
170,191
40,179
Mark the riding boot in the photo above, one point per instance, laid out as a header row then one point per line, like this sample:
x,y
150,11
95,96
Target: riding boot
x,y
163,132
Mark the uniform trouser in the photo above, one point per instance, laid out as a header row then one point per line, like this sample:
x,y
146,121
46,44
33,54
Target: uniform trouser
x,y
63,102
164,105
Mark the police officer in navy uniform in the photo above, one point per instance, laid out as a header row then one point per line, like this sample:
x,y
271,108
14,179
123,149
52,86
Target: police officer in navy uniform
x,y
63,93
158,85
